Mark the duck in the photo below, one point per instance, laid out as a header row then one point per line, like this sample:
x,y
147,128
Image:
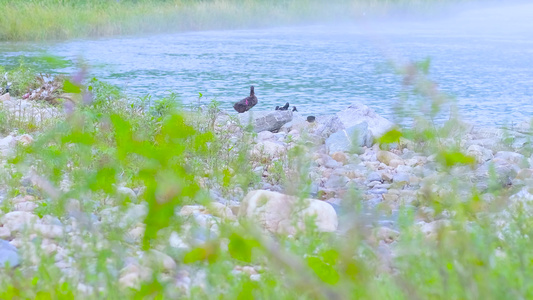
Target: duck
x,y
247,103
285,107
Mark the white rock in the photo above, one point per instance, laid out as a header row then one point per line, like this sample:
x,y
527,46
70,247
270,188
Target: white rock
x,y
401,177
137,233
395,163
130,280
336,181
220,210
176,241
255,277
268,148
6,144
17,220
162,260
358,113
480,153
264,135
5,97
350,139
511,157
275,212
188,210
5,233
49,231
25,206
374,176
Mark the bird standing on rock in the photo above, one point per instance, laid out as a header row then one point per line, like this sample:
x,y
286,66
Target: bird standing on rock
x,y
247,103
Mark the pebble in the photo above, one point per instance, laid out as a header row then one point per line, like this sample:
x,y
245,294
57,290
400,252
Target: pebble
x,y
374,176
400,178
340,157
395,163
377,191
386,157
336,181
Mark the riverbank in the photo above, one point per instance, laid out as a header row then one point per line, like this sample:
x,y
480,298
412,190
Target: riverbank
x,y
108,199
59,20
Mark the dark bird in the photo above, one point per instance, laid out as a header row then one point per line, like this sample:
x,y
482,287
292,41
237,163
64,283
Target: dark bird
x,y
247,103
294,109
277,108
310,119
285,107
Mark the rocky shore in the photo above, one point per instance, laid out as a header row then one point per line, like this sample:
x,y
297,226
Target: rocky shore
x,y
349,180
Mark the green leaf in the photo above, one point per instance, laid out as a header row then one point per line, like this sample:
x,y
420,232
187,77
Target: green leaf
x,y
247,291
453,158
69,87
208,251
324,271
330,256
391,136
241,248
196,254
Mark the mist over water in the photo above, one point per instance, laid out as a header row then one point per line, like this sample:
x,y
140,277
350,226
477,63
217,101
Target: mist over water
x,y
481,56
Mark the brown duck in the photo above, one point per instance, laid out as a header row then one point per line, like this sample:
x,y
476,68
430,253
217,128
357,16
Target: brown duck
x,y
246,103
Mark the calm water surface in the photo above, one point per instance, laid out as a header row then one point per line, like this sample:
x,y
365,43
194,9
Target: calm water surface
x,y
483,57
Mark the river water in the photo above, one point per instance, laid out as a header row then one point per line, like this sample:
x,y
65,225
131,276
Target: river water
x,y
483,57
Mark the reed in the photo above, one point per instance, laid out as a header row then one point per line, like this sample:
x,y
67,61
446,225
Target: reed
x,y
39,20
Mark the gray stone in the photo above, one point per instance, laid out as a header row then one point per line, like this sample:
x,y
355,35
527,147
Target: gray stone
x,y
400,177
511,157
264,135
504,173
358,113
336,181
481,154
374,176
8,254
326,125
331,163
266,121
350,139
377,191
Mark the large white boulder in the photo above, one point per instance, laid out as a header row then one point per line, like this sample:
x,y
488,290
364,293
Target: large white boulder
x,y
358,113
350,139
280,213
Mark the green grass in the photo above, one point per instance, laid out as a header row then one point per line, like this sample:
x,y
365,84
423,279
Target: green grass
x,y
64,19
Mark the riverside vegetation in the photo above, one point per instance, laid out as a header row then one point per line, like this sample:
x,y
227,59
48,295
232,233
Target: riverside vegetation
x,y
64,19
107,197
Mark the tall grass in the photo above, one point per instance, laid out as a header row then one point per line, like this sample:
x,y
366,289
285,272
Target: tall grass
x,y
53,20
